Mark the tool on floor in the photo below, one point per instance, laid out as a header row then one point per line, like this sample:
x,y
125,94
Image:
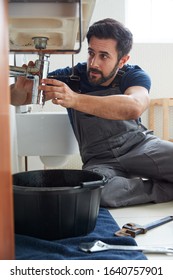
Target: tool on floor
x,y
97,245
132,229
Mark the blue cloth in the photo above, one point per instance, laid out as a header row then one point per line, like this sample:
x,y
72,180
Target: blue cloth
x,y
29,248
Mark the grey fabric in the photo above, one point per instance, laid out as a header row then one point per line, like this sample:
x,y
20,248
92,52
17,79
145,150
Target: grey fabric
x,y
144,174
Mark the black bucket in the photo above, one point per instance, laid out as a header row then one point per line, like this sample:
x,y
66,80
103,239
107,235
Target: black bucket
x,y
56,204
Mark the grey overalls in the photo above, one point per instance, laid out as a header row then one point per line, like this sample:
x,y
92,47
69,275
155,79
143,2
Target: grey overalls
x,y
126,153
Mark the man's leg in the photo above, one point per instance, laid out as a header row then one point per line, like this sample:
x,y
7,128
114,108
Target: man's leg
x,y
152,159
122,191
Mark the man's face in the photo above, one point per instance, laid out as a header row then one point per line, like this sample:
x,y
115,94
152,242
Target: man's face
x,y
102,63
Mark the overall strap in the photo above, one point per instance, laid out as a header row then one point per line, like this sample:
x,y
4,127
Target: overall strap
x,y
74,80
118,77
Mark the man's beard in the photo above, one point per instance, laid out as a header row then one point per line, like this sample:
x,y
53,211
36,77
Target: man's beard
x,y
103,79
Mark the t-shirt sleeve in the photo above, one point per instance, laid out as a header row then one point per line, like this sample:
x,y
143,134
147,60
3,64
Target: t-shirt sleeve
x,y
135,77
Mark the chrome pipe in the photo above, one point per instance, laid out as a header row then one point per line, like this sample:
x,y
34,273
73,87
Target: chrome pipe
x,y
16,71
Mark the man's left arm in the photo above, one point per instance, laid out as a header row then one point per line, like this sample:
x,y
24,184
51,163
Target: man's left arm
x,y
129,105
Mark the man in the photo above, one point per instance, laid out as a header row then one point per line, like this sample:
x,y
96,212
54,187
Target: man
x,y
104,109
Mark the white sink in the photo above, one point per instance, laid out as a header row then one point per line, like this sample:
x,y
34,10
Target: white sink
x,y
56,20
45,134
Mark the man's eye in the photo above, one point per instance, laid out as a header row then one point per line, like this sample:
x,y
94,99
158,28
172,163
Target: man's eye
x,y
104,56
90,53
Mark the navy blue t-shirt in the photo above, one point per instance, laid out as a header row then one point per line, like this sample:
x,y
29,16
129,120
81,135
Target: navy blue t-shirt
x,y
133,76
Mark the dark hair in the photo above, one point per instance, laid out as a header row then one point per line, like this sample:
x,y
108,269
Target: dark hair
x,y
112,29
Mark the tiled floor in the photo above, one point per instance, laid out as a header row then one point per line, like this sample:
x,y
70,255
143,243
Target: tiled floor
x,y
144,214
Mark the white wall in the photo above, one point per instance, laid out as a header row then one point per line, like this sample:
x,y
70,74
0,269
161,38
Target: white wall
x,y
156,59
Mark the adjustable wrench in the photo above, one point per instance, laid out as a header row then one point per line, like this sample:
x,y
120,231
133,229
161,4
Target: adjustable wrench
x,y
132,229
98,245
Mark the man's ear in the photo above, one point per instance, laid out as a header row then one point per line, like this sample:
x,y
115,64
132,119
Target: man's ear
x,y
123,60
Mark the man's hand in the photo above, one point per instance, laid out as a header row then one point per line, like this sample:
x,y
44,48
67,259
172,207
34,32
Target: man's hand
x,y
21,91
59,92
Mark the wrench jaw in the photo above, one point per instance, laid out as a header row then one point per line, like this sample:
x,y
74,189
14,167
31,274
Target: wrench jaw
x,y
131,229
123,232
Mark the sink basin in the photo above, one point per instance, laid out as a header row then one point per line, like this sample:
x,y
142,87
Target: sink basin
x,y
45,134
56,20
